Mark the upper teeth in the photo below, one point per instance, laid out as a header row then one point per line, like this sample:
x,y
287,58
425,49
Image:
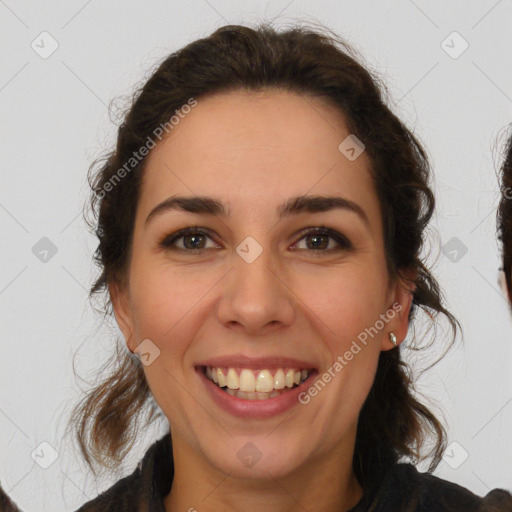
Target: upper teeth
x,y
259,380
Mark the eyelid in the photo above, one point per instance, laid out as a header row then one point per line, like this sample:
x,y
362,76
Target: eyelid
x,y
168,240
323,230
342,240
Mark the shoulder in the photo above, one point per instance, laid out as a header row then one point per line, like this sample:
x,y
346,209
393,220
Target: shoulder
x,y
405,488
144,487
6,505
121,496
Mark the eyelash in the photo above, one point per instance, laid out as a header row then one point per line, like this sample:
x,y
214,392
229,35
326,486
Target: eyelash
x,y
169,240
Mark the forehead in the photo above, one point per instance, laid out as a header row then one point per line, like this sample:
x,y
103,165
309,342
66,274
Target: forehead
x,y
245,146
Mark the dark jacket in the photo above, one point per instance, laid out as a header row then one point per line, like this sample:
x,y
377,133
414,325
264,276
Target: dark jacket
x,y
6,505
402,489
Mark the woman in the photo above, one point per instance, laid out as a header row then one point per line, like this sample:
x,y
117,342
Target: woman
x,y
6,504
260,223
505,217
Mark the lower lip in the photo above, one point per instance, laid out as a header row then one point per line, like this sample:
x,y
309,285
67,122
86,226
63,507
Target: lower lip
x,y
255,408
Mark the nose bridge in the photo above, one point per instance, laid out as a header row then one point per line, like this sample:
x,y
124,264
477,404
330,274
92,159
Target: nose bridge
x,y
252,265
254,296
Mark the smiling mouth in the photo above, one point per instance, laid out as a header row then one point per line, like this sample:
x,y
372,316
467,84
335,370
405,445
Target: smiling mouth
x,y
251,384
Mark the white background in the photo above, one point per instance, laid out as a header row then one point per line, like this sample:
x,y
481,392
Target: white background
x,y
55,122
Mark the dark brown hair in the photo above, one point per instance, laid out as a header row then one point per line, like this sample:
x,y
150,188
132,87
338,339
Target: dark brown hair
x,y
505,214
393,424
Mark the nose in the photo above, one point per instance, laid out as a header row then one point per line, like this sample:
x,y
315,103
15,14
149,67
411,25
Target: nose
x,y
255,297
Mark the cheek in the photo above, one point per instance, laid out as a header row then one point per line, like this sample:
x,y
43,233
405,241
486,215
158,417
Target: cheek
x,y
162,296
165,305
348,305
347,300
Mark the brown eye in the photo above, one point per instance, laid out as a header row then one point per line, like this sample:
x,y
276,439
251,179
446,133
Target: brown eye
x,y
318,240
189,239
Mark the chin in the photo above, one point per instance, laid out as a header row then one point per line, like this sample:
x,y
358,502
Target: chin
x,y
263,457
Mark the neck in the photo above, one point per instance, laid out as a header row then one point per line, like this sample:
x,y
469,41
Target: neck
x,y
325,484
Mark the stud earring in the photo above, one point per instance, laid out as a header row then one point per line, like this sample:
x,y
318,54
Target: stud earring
x,y
392,337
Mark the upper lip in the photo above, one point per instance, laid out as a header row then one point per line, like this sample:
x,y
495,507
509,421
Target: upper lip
x,y
256,363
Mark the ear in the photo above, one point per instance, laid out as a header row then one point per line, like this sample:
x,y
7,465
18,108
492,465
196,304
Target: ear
x,y
122,311
399,305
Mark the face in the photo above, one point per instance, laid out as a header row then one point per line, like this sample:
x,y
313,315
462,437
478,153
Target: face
x,y
257,288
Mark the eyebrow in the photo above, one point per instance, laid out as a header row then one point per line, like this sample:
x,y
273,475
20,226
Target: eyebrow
x,y
209,206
